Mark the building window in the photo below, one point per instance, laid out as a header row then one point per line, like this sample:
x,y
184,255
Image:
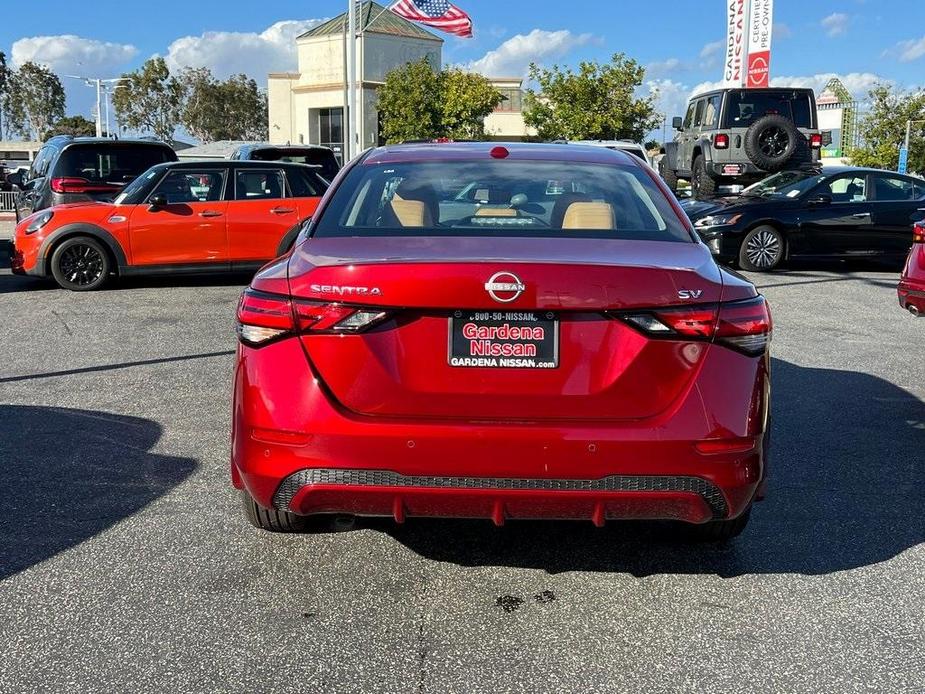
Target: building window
x,y
331,131
511,100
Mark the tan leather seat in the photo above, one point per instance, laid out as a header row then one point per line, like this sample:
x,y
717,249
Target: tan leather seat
x,y
411,213
495,212
589,215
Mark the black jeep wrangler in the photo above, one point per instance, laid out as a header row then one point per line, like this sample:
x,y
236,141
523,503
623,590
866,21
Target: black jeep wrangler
x,y
739,136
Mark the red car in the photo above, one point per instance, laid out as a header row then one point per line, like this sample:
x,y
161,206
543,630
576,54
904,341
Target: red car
x,y
911,288
517,331
175,217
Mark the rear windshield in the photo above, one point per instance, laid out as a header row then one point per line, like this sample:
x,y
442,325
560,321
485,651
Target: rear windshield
x,y
315,157
745,107
503,199
110,163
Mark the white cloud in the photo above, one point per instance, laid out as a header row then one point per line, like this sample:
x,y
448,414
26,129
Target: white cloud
x,y
512,58
836,24
228,53
712,49
663,67
911,50
858,83
670,97
73,54
782,31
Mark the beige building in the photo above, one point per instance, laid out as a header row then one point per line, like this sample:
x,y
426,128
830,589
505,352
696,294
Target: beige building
x,y
308,106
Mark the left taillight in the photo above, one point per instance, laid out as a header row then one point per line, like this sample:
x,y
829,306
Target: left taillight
x,y
744,326
815,141
918,232
263,318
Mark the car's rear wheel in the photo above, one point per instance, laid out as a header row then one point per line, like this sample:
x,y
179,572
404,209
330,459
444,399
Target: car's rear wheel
x,y
668,175
271,519
702,186
80,264
762,249
718,530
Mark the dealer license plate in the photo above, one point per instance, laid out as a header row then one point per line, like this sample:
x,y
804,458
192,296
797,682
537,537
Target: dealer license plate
x,y
504,340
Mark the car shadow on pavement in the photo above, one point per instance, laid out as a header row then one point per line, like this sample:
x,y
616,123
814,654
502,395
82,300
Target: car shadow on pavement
x,y
847,472
71,474
10,283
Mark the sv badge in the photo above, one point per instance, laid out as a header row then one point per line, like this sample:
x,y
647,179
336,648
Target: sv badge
x,y
690,293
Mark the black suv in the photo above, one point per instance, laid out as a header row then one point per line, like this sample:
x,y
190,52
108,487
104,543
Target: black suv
x,y
740,136
78,169
314,155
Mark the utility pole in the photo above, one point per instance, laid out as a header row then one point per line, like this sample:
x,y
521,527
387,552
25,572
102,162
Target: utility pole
x,y
99,84
350,119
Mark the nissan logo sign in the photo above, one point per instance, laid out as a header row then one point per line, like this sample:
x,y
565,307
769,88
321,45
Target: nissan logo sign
x,y
504,287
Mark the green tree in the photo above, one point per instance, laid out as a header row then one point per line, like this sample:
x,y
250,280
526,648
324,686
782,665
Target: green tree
x,y
466,98
418,103
598,102
246,116
235,109
4,79
71,125
151,100
34,100
883,130
409,103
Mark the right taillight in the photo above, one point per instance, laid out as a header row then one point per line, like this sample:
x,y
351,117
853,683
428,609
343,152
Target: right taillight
x,y
263,317
744,326
70,184
918,232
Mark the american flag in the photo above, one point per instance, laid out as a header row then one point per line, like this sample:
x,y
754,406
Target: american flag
x,y
439,14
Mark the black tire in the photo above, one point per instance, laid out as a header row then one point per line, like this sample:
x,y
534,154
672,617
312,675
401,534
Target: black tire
x,y
762,250
271,519
718,530
702,186
80,264
668,175
771,142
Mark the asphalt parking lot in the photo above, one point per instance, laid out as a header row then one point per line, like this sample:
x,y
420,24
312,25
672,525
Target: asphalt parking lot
x,y
127,565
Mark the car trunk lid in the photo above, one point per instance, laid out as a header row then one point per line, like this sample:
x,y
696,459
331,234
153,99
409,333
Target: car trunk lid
x,y
584,364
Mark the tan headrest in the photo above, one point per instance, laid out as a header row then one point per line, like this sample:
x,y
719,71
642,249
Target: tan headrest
x,y
496,212
588,215
411,213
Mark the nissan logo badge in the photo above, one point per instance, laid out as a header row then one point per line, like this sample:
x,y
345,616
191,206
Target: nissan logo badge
x,y
504,287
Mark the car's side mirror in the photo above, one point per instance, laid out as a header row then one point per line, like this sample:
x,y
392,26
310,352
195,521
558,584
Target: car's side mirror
x,y
15,179
157,200
677,123
819,200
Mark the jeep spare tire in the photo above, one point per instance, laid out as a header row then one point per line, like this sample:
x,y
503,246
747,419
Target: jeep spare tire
x,y
771,141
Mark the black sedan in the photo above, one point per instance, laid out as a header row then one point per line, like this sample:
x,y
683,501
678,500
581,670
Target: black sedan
x,y
836,212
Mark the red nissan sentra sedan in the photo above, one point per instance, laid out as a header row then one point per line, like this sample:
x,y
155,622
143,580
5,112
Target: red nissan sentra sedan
x,y
487,331
911,288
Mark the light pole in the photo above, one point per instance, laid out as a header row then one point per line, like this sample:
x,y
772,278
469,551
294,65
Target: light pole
x,y
98,83
107,97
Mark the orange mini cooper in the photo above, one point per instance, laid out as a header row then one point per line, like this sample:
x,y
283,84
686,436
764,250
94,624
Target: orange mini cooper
x,y
174,218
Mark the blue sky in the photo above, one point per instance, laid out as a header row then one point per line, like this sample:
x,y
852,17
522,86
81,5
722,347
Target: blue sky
x,y
862,41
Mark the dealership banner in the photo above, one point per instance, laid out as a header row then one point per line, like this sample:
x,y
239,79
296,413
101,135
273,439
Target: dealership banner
x,y
737,31
760,27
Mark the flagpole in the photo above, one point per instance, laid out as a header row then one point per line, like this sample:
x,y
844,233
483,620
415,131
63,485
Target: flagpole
x,y
350,120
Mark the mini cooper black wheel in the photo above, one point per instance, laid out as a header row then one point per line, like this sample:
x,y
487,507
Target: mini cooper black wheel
x,y
762,249
80,264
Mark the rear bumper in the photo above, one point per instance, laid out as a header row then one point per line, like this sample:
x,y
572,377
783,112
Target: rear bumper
x,y
912,296
295,449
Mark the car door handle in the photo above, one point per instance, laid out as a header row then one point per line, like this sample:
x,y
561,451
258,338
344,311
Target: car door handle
x,y
210,213
282,210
